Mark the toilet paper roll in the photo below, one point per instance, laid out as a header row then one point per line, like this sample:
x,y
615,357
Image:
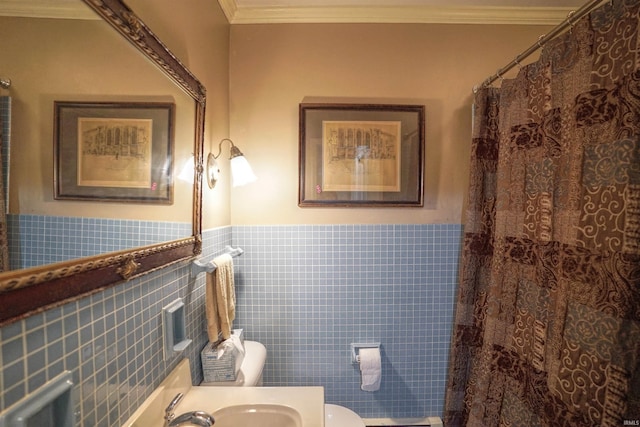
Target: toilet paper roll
x,y
370,369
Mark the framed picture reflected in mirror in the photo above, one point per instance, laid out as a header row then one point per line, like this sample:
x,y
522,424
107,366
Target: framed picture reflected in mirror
x,y
120,152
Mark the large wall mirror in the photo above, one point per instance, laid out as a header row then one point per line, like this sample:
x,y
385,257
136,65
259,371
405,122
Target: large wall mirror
x,y
87,52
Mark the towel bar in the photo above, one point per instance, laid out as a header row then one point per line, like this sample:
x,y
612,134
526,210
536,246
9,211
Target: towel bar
x,y
198,266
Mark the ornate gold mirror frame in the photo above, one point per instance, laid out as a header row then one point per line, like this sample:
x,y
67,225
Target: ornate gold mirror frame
x,y
28,291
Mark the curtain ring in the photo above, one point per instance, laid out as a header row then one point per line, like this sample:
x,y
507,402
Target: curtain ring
x,y
540,40
569,16
499,76
485,84
517,63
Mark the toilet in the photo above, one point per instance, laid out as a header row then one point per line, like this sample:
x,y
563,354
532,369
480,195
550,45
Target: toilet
x,y
339,416
250,375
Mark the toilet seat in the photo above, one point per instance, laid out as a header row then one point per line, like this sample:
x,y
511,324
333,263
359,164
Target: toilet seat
x,y
339,416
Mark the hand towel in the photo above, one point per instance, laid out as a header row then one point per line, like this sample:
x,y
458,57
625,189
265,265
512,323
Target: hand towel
x,y
220,298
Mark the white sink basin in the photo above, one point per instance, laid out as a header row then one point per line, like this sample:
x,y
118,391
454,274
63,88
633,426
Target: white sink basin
x,y
232,406
258,406
257,415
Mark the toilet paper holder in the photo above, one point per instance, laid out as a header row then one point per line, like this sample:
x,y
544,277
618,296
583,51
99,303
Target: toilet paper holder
x,y
355,350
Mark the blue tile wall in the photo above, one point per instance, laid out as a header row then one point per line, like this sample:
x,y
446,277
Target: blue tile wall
x,y
305,291
309,291
42,239
111,341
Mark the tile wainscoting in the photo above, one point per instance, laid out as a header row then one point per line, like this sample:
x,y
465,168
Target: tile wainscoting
x,y
308,291
111,341
305,291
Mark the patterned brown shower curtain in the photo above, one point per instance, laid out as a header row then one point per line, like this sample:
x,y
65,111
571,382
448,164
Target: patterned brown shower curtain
x,y
547,328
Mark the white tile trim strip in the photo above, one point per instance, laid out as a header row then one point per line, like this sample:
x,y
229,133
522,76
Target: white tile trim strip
x,y
427,421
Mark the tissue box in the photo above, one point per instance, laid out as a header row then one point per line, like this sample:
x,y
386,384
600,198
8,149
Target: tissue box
x,y
221,362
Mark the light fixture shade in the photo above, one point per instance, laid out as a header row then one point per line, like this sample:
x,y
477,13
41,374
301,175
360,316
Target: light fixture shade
x,y
241,172
187,172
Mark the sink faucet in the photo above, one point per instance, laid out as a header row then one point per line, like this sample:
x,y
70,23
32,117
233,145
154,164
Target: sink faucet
x,y
168,412
199,418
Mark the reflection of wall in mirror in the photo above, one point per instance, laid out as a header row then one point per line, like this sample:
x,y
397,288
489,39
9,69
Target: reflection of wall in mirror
x,y
78,56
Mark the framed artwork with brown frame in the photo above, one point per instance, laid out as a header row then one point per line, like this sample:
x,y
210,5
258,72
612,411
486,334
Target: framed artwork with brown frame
x,y
119,152
368,155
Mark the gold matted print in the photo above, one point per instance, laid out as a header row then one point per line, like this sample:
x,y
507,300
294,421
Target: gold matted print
x,y
361,155
120,152
114,152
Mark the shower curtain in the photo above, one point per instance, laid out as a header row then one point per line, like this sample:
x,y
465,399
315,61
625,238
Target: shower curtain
x,y
547,327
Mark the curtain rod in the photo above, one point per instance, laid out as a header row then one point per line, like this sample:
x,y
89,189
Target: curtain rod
x,y
572,17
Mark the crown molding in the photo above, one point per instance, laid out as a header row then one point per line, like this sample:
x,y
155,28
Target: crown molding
x,y
229,8
400,14
46,9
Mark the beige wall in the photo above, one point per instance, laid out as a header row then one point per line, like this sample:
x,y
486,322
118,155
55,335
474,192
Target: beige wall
x,y
197,32
73,60
275,67
256,75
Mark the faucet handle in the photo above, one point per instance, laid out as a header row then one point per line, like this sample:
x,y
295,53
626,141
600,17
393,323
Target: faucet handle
x,y
168,412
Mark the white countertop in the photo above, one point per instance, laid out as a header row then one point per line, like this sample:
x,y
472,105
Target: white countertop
x,y
308,401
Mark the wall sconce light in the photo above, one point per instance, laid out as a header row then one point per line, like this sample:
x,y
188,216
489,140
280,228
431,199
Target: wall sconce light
x,y
241,172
